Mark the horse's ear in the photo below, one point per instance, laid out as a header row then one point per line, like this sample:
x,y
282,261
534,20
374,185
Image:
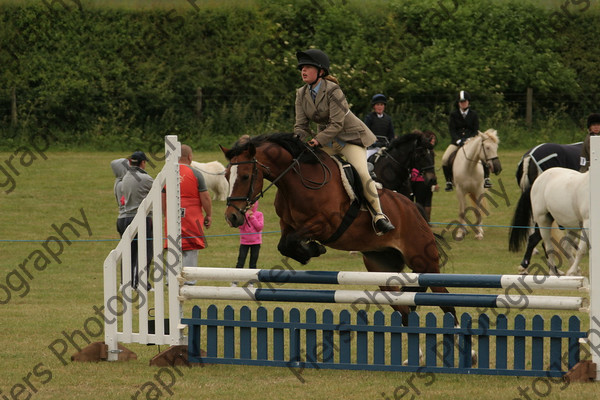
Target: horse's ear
x,y
251,149
224,149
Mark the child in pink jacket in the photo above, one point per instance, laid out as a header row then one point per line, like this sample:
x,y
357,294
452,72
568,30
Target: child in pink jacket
x,y
250,237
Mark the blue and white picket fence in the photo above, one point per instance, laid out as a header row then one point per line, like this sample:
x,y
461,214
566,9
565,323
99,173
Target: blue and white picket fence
x,y
363,341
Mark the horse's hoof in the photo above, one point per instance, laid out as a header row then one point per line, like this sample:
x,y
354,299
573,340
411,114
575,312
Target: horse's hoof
x,y
523,271
421,359
479,236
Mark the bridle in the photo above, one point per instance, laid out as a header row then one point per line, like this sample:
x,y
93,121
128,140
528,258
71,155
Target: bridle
x,y
251,198
411,160
483,139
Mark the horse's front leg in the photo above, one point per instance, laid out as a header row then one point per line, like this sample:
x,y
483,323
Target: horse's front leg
x,y
477,200
462,232
293,245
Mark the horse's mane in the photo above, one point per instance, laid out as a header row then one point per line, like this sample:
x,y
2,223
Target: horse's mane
x,y
286,140
491,134
400,141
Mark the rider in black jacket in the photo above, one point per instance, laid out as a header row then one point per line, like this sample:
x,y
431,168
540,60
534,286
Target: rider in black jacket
x,y
463,124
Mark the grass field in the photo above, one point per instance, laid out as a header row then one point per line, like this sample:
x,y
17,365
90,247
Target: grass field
x,y
51,304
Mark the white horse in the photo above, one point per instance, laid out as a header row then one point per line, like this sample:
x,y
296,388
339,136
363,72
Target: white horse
x,y
214,176
558,195
467,173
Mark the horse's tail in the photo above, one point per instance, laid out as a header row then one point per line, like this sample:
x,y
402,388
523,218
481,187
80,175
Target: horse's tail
x,y
442,245
524,183
520,224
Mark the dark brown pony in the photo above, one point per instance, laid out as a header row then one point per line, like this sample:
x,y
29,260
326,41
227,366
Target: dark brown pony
x,y
312,202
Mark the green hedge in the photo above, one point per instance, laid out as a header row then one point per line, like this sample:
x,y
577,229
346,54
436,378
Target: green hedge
x,y
115,78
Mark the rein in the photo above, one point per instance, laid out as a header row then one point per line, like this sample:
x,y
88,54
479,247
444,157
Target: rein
x,y
250,199
483,139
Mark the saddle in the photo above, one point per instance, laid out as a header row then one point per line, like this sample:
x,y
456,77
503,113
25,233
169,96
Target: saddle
x,y
352,183
350,179
451,160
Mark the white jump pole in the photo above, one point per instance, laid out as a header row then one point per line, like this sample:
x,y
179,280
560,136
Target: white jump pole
x,y
522,282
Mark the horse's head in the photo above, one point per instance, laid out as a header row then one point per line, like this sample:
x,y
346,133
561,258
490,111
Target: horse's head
x,y
251,160
245,175
489,150
424,159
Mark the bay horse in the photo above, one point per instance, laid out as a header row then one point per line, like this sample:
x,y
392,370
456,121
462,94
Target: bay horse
x,y
535,161
468,173
558,195
393,164
312,205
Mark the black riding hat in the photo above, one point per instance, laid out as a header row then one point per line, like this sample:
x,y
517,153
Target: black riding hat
x,y
593,119
313,57
463,95
378,98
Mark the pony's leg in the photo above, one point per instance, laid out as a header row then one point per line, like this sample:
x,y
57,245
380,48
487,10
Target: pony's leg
x,y
292,245
475,198
581,250
532,241
446,309
388,260
461,213
545,223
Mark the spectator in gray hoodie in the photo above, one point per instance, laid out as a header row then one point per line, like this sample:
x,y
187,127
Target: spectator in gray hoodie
x,y
135,187
119,168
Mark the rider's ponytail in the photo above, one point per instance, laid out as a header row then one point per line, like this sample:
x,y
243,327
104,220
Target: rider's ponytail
x,y
332,79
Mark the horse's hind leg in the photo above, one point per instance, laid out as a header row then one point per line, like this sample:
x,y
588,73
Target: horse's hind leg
x,y
388,260
446,309
532,241
545,223
581,250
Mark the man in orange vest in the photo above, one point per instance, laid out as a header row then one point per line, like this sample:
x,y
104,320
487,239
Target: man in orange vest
x,y
194,198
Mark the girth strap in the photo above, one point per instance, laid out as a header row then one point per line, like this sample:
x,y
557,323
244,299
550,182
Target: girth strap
x,y
349,217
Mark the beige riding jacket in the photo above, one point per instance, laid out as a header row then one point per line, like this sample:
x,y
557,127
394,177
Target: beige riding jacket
x,y
331,112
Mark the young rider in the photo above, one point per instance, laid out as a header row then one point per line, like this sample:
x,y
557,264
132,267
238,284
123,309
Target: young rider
x,y
322,101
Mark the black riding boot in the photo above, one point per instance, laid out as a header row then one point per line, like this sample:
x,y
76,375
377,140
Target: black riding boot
x,y
448,175
486,176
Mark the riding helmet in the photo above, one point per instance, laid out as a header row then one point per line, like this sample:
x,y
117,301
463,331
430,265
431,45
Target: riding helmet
x,y
464,96
378,98
593,119
313,57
